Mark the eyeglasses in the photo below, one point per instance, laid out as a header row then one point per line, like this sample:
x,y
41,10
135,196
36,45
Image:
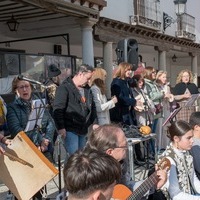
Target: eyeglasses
x,y
122,147
22,87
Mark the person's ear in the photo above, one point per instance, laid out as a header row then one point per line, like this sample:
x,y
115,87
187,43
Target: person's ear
x,y
195,127
176,139
97,195
109,151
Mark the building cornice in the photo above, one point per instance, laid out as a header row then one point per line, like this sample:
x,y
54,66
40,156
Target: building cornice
x,y
86,8
108,30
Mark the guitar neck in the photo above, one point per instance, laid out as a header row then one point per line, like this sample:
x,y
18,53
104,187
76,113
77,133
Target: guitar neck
x,y
144,187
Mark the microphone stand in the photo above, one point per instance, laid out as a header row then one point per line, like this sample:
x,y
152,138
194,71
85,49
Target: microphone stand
x,y
59,139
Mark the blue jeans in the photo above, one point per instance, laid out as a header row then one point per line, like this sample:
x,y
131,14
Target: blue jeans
x,y
73,142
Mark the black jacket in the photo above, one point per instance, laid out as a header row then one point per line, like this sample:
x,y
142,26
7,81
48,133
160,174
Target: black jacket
x,y
120,88
180,88
70,112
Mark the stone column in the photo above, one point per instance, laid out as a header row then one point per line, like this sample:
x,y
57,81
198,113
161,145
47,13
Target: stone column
x,y
194,66
108,65
162,62
87,40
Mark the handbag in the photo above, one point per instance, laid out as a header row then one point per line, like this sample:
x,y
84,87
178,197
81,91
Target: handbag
x,y
158,108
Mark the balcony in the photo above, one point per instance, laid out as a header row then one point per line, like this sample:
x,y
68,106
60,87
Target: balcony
x,y
186,27
147,14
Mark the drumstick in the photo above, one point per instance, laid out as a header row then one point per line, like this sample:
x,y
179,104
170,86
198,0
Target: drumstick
x,y
17,159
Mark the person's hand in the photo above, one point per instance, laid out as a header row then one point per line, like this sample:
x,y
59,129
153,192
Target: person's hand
x,y
162,177
114,99
186,96
8,141
139,103
62,133
167,95
95,126
44,145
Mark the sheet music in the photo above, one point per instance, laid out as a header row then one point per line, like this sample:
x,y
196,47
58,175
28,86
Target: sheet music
x,y
36,115
192,99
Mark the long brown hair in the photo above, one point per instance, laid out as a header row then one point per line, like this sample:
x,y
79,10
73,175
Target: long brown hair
x,y
122,69
147,73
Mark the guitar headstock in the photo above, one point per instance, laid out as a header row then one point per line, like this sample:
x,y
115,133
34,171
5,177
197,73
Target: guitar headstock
x,y
164,163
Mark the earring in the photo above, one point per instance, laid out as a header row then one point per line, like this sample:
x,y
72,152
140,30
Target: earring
x,y
176,145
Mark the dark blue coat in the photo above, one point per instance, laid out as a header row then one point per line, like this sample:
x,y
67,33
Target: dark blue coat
x,y
17,118
126,102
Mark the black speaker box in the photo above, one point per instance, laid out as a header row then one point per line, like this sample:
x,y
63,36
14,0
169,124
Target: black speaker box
x,y
127,51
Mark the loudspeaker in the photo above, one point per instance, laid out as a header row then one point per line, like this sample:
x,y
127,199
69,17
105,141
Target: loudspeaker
x,y
127,51
57,49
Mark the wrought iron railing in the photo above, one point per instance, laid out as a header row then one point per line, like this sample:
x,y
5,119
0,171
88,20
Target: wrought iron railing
x,y
186,27
147,14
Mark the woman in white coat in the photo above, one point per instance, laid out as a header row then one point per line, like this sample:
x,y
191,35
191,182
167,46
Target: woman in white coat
x,y
98,88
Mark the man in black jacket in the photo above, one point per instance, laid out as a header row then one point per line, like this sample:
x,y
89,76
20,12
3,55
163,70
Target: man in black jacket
x,y
74,108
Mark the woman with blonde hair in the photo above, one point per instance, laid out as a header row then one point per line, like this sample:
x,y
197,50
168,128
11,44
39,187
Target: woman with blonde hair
x,y
163,85
183,90
98,88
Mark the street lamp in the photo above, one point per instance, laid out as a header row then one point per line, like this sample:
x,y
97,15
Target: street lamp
x,y
180,6
13,24
174,58
179,10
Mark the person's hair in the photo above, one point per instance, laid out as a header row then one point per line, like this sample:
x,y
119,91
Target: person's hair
x,y
122,69
136,78
140,58
98,77
15,82
159,74
178,128
84,68
147,73
104,137
194,119
88,171
179,77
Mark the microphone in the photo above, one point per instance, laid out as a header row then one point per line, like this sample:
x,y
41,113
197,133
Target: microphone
x,y
21,77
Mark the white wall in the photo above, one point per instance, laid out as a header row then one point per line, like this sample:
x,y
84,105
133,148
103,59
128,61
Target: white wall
x,y
119,10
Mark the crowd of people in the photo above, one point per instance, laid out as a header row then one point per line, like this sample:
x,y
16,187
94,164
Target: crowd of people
x,y
91,127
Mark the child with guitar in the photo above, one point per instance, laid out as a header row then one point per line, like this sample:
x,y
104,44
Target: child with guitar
x,y
111,140
182,181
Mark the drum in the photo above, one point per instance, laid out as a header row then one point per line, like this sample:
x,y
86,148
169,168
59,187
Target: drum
x,y
24,169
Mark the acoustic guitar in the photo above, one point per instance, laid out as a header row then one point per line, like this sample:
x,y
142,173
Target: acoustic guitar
x,y
121,192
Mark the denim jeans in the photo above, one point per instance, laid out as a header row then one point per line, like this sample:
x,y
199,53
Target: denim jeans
x,y
73,142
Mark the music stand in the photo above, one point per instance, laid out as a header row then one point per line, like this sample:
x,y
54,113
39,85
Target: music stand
x,y
36,115
171,116
191,101
59,139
